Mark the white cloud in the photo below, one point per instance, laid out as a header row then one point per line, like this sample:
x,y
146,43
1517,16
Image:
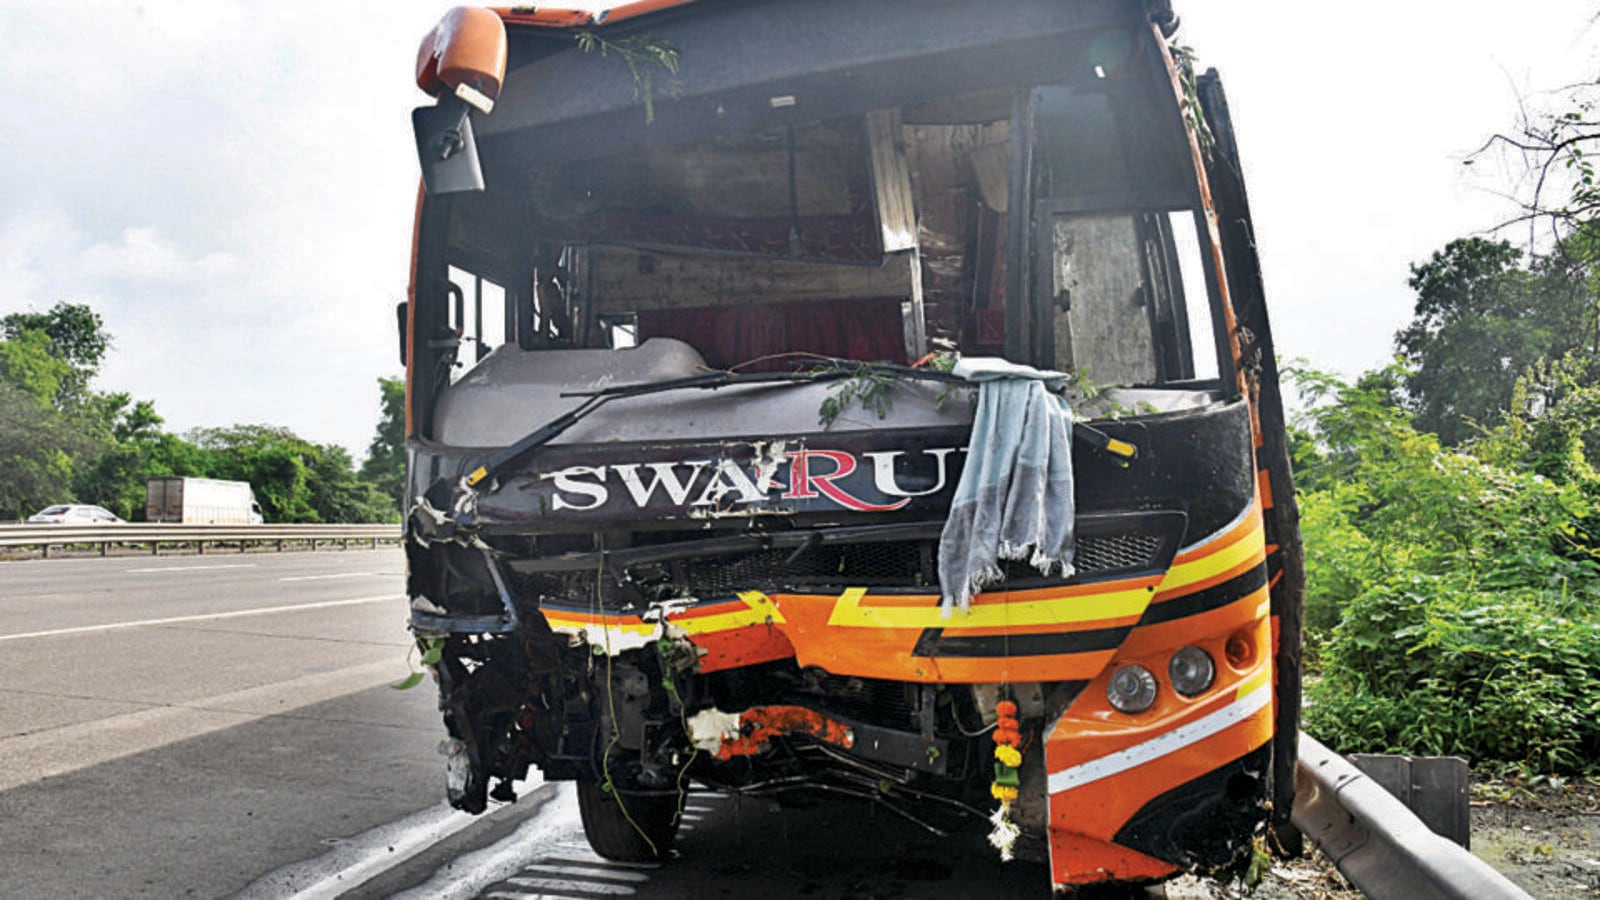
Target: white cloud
x,y
142,254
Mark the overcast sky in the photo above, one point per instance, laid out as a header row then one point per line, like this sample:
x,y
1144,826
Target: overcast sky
x,y
231,185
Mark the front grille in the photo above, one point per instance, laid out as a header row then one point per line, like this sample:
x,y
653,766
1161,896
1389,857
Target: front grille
x,y
1117,551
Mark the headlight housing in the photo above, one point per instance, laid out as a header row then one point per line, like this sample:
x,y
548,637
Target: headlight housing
x,y
1191,671
1132,689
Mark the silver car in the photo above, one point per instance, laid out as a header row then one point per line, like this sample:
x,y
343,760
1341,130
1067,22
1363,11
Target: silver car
x,y
74,514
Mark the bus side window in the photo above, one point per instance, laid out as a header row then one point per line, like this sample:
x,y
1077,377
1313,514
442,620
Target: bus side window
x,y
480,318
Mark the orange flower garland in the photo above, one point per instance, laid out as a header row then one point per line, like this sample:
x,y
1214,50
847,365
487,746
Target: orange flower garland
x,y
1007,783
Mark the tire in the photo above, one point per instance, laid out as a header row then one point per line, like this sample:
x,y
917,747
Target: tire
x,y
645,839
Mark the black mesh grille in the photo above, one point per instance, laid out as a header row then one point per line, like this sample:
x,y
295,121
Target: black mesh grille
x,y
889,563
1118,551
909,564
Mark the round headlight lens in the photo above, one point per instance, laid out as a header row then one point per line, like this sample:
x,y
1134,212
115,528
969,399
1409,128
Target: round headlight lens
x,y
1132,689
1191,671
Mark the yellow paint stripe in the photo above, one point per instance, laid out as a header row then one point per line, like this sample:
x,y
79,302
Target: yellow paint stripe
x,y
613,625
1252,546
1254,681
849,613
759,610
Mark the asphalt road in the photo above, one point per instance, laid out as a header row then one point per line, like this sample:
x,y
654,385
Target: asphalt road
x,y
216,725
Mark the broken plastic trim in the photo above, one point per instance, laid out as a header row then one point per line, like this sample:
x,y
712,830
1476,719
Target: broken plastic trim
x,y
429,621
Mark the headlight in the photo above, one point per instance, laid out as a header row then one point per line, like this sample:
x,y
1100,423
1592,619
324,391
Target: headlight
x,y
1132,689
1191,671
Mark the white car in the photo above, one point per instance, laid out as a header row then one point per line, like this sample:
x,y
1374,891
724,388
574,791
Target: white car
x,y
74,514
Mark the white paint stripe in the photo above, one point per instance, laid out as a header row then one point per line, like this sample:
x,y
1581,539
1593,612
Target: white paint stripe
x,y
1220,533
200,617
1161,745
583,870
330,577
567,886
467,876
194,568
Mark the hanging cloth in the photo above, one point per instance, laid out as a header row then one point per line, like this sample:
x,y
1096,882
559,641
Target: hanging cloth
x,y
1014,500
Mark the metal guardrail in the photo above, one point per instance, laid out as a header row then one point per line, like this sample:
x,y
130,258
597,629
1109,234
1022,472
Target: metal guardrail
x,y
156,535
1379,845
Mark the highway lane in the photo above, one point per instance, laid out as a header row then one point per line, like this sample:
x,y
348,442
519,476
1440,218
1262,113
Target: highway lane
x,y
168,725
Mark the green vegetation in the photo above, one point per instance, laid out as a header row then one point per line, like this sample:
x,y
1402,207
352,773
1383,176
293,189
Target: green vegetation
x,y
1450,591
61,441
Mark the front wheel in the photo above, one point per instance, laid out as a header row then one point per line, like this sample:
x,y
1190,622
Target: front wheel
x,y
636,828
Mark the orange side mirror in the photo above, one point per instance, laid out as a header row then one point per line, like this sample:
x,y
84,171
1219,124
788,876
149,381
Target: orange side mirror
x,y
467,49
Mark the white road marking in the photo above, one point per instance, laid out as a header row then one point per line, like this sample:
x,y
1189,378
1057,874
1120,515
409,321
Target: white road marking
x,y
201,617
330,577
361,858
194,568
469,875
585,870
541,886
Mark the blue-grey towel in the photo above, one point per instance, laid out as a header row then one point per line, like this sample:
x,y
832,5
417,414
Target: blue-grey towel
x,y
1014,499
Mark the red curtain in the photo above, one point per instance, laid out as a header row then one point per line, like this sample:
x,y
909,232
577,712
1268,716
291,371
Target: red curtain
x,y
727,336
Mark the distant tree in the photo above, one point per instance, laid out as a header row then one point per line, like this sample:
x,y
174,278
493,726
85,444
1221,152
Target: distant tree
x,y
136,451
27,364
77,337
1482,318
37,445
340,495
271,459
385,465
294,479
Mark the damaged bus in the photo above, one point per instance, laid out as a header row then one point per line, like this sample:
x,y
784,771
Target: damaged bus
x,y
856,398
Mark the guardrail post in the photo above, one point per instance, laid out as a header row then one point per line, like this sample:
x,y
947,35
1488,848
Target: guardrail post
x,y
1379,845
1434,788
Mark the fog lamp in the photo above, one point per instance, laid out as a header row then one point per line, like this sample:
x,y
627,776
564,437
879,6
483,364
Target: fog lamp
x,y
1191,671
1132,689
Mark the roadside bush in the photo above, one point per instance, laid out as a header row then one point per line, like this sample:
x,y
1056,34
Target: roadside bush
x,y
1451,593
1429,668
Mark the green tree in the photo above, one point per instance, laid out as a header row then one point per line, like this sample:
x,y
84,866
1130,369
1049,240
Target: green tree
x,y
37,445
341,495
294,479
77,337
271,459
27,364
1482,318
385,465
136,451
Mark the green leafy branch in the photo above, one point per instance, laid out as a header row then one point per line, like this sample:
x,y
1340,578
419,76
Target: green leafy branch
x,y
643,55
871,386
1184,58
432,652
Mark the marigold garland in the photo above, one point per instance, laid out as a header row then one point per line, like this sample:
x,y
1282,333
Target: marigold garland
x,y
1006,787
